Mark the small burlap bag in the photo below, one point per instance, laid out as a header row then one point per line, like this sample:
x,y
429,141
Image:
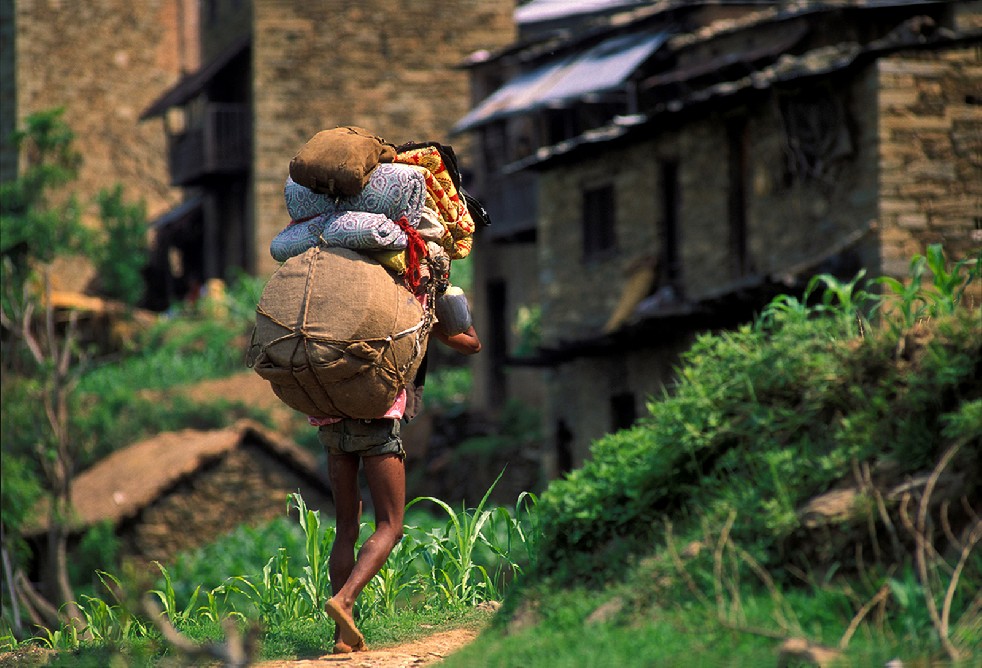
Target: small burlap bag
x,y
339,161
336,335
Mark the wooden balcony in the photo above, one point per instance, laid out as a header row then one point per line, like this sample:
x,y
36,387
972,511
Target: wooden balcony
x,y
220,145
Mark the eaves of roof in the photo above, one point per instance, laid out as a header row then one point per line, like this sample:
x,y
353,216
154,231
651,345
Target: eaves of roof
x,y
191,84
130,479
731,304
818,62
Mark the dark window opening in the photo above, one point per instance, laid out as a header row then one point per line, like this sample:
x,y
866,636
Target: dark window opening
x,y
599,235
564,447
498,343
817,128
622,411
736,131
671,261
495,147
560,125
211,12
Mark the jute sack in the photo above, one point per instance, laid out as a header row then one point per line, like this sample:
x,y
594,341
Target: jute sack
x,y
336,335
339,161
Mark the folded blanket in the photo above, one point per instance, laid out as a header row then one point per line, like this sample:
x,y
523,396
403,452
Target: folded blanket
x,y
357,230
443,196
393,190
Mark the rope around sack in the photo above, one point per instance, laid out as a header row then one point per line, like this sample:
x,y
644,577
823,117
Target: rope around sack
x,y
339,344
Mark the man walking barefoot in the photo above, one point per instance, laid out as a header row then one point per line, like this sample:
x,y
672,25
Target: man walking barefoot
x,y
377,445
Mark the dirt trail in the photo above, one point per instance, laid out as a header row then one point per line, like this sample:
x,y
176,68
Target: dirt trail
x,y
427,651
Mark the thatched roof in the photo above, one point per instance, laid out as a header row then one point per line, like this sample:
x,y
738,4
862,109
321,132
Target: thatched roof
x,y
127,481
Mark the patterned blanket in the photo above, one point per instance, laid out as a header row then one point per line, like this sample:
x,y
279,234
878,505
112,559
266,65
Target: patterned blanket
x,y
393,190
358,230
442,196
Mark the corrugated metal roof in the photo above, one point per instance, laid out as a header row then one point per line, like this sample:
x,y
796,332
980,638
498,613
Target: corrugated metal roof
x,y
537,11
599,69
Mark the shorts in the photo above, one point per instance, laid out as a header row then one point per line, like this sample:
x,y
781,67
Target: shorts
x,y
365,438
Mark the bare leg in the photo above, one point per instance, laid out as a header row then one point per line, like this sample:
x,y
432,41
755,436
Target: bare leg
x,y
343,474
386,475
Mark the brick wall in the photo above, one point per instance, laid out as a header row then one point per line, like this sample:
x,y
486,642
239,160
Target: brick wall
x,y
579,296
930,154
105,62
384,65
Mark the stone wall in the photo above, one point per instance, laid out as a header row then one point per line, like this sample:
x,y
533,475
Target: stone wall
x,y
385,65
105,62
579,393
930,106
246,486
577,296
900,169
514,266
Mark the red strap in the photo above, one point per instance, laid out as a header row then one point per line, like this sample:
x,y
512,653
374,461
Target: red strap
x,y
415,252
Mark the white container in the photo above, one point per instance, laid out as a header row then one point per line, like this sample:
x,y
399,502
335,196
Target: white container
x,y
453,312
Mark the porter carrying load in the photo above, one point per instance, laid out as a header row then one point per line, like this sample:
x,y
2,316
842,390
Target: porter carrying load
x,y
342,326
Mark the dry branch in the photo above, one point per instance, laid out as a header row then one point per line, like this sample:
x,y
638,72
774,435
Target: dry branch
x,y
236,652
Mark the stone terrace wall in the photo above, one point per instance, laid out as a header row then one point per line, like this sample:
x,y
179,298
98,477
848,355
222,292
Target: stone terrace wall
x,y
247,486
930,154
105,62
386,65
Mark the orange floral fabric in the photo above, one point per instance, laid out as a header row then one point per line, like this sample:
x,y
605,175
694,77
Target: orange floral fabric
x,y
442,196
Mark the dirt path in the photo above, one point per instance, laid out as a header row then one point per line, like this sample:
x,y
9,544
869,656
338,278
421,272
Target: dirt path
x,y
428,651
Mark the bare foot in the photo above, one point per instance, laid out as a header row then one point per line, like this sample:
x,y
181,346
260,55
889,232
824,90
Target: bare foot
x,y
350,635
341,647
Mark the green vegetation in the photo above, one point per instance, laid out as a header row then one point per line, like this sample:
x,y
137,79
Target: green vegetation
x,y
690,539
436,574
682,540
686,540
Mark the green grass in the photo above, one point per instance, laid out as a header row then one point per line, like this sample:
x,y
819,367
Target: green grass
x,y
679,542
685,528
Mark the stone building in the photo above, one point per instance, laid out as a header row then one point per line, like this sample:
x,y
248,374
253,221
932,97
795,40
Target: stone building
x,y
103,62
657,169
180,490
273,74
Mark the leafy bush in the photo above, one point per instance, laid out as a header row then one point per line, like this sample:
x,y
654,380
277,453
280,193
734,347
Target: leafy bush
x,y
124,248
799,385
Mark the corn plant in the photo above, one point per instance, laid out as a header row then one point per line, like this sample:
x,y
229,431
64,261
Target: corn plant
x,y
842,299
278,596
315,579
168,599
106,622
914,302
65,638
450,553
397,578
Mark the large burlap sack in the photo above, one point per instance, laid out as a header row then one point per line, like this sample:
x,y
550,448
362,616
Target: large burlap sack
x,y
339,161
336,335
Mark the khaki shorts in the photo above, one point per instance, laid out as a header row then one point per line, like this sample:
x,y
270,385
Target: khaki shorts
x,y
365,438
